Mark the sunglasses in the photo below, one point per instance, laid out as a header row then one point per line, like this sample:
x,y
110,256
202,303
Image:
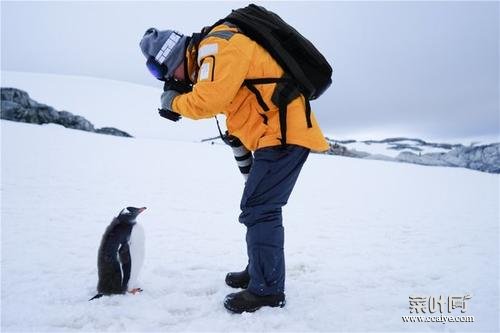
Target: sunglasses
x,y
159,71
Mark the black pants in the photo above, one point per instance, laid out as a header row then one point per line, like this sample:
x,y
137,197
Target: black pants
x,y
270,183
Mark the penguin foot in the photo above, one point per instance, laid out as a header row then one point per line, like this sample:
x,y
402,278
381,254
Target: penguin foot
x,y
135,291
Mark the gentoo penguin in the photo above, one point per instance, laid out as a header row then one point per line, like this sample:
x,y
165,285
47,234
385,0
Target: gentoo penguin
x,y
121,254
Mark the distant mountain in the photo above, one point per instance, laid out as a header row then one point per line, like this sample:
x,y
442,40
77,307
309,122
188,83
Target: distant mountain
x,y
484,157
16,105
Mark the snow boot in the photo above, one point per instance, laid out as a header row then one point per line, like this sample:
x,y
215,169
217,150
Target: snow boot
x,y
238,279
245,301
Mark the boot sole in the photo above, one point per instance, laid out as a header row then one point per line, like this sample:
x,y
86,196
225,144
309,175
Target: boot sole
x,y
235,286
281,304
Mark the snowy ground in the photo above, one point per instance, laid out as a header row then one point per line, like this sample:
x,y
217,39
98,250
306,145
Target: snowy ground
x,y
361,235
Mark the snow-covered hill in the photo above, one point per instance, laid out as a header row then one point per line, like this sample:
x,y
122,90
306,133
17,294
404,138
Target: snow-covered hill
x,y
124,105
361,235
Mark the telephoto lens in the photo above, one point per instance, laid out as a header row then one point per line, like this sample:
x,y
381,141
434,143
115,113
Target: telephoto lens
x,y
243,156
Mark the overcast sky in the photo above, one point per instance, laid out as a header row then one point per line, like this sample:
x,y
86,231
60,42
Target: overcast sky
x,y
429,69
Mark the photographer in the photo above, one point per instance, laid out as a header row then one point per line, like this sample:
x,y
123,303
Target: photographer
x,y
207,74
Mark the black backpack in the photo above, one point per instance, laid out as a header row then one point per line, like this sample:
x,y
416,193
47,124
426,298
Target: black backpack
x,y
307,72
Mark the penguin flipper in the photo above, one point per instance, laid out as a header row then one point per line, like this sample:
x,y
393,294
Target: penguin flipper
x,y
125,263
96,296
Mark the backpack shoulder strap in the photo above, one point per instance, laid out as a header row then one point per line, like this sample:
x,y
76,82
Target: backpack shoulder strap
x,y
285,92
223,34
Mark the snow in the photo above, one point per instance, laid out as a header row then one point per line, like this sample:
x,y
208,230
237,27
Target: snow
x,y
361,235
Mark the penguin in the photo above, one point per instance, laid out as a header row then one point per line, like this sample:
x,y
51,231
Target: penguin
x,y
121,254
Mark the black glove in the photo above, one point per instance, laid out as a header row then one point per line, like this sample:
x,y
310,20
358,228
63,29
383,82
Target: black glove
x,y
170,115
181,87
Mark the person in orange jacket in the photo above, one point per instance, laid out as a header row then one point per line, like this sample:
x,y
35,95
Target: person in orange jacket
x,y
206,77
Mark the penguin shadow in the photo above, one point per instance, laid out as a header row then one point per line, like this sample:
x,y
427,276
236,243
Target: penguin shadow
x,y
121,255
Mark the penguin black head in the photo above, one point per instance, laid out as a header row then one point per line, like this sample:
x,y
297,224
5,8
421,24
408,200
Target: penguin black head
x,y
129,214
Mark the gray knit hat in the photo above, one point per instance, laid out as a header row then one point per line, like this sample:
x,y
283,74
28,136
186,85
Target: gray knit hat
x,y
167,47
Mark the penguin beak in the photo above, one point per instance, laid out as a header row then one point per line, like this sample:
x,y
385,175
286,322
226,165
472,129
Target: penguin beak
x,y
142,209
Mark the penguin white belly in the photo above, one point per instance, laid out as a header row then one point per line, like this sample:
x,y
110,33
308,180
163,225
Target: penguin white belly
x,y
137,252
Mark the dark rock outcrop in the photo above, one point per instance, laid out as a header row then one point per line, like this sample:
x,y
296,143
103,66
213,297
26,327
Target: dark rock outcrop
x,y
337,149
111,131
16,105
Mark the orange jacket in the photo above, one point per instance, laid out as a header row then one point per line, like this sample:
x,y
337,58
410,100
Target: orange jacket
x,y
225,59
